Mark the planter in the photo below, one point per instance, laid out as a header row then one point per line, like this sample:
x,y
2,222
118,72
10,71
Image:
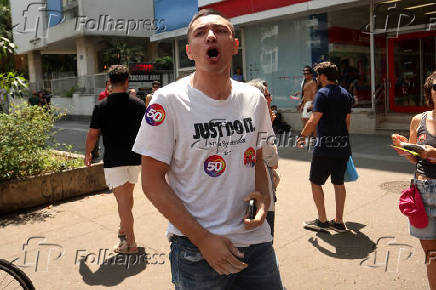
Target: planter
x,y
49,188
78,105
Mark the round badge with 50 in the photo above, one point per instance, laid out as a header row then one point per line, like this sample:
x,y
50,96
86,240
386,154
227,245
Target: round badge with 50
x,y
155,115
214,165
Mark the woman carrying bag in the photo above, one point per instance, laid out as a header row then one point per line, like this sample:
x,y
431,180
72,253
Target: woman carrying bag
x,y
423,132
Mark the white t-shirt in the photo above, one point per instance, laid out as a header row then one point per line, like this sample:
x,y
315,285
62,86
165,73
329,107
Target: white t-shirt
x,y
210,146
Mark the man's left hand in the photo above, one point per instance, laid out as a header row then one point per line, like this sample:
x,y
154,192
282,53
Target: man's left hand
x,y
88,159
261,211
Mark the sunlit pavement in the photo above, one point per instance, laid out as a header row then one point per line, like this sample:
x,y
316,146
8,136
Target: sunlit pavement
x,y
74,239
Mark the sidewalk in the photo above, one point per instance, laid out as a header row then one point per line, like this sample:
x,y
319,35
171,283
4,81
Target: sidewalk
x,y
377,253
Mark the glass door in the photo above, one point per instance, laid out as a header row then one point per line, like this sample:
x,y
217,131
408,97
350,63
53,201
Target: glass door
x,y
411,60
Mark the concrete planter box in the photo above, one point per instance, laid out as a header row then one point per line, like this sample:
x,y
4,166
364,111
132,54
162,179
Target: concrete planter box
x,y
49,188
78,105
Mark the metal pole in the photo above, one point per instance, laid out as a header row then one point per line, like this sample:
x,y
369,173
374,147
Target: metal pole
x,y
371,27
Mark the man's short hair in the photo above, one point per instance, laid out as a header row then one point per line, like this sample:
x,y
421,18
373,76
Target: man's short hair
x,y
155,83
205,12
118,74
259,84
329,69
309,68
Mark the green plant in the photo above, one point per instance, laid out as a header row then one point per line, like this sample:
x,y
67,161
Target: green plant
x,y
24,143
69,93
11,82
120,52
164,63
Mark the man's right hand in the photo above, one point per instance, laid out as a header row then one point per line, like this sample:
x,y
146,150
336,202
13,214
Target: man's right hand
x,y
221,255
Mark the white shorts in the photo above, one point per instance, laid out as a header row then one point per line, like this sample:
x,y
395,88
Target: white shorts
x,y
117,176
305,114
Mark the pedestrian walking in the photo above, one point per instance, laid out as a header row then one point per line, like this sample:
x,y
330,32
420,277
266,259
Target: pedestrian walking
x,y
202,132
331,118
118,118
423,132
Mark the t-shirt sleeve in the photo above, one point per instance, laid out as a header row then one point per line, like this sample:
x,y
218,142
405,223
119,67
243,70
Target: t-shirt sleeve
x,y
265,133
319,103
96,118
156,135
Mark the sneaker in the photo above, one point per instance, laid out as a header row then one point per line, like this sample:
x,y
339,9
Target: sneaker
x,y
339,227
316,225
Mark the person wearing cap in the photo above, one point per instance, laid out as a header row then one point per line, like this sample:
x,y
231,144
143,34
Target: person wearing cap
x,y
423,132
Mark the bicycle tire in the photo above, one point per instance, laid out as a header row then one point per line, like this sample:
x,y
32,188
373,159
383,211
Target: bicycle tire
x,y
16,274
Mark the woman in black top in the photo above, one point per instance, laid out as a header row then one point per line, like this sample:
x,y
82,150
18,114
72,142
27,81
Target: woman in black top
x,y
423,132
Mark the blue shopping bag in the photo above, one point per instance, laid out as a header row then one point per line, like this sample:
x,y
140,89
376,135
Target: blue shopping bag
x,y
350,173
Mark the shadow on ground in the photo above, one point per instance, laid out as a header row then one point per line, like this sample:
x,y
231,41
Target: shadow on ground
x,y
114,270
40,213
352,244
24,217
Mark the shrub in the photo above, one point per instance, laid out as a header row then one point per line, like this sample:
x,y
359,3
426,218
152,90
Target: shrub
x,y
24,137
164,63
69,93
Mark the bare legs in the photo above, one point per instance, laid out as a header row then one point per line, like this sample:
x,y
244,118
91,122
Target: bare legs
x,y
429,247
340,194
318,198
124,196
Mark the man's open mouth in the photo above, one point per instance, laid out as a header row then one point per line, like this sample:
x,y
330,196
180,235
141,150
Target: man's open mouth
x,y
212,52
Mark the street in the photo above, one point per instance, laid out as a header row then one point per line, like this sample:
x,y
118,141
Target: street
x,y
73,239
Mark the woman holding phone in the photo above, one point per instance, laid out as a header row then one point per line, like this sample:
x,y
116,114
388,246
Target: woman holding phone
x,y
423,132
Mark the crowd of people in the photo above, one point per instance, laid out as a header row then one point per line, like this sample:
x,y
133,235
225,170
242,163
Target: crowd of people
x,y
40,98
199,147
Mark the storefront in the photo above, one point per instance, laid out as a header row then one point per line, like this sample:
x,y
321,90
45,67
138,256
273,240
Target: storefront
x,y
384,49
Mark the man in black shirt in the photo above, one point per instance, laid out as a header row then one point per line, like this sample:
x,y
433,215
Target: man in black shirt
x,y
331,118
118,118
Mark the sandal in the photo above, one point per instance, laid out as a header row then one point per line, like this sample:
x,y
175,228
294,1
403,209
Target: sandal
x,y
124,248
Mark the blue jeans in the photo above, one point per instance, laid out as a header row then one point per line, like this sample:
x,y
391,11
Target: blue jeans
x,y
191,271
427,189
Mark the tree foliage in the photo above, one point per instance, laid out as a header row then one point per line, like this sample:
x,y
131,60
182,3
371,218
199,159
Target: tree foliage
x,y
119,52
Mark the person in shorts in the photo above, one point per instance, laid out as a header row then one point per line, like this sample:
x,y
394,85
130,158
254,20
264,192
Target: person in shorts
x,y
308,91
201,143
118,118
331,119
423,132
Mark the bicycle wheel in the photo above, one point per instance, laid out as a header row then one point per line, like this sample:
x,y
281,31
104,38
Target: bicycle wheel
x,y
11,277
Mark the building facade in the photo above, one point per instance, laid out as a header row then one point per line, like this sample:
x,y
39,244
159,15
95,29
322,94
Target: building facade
x,y
384,50
82,28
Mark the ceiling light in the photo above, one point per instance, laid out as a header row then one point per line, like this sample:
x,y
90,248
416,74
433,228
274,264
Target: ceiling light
x,y
420,6
432,12
389,1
